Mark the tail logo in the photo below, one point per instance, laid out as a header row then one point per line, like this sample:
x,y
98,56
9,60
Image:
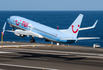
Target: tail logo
x,y
73,29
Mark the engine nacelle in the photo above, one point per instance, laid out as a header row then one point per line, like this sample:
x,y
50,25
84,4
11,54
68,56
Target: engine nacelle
x,y
47,40
18,34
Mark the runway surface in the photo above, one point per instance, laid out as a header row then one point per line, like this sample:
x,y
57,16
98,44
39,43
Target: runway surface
x,y
50,57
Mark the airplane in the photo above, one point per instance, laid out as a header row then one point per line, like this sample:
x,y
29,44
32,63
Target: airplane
x,y
26,27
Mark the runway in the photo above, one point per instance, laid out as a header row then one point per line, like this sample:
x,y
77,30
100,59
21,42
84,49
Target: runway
x,y
49,57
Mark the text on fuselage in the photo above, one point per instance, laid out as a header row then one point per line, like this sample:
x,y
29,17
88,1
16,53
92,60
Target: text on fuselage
x,y
23,23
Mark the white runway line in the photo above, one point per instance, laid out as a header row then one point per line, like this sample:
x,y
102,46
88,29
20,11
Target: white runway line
x,y
91,57
27,66
5,52
20,45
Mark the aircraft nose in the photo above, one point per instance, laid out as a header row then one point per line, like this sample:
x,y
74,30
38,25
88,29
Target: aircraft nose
x,y
7,19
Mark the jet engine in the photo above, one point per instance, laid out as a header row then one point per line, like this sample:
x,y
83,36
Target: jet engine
x,y
47,40
17,33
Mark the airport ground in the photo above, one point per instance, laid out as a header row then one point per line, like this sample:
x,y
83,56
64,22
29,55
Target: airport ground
x,y
35,56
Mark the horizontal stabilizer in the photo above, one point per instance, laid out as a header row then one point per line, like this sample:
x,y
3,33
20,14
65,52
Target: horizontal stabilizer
x,y
85,38
67,39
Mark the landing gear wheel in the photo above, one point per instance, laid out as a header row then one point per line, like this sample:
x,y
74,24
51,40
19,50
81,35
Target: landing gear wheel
x,y
13,29
32,40
47,40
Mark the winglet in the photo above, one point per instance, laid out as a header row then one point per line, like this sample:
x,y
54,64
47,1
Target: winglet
x,y
3,29
95,24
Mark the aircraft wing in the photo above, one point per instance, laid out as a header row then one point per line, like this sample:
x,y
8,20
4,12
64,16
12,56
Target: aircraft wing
x,y
89,27
27,33
65,30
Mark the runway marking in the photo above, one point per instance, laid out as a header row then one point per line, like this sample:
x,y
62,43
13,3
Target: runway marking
x,y
27,66
5,52
2,69
20,45
90,56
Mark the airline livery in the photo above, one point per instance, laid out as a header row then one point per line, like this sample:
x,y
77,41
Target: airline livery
x,y
31,28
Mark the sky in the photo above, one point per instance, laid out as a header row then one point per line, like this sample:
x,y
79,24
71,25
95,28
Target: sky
x,y
50,5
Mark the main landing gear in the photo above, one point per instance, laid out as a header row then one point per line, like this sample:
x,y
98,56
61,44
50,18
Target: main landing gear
x,y
47,40
32,40
13,29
